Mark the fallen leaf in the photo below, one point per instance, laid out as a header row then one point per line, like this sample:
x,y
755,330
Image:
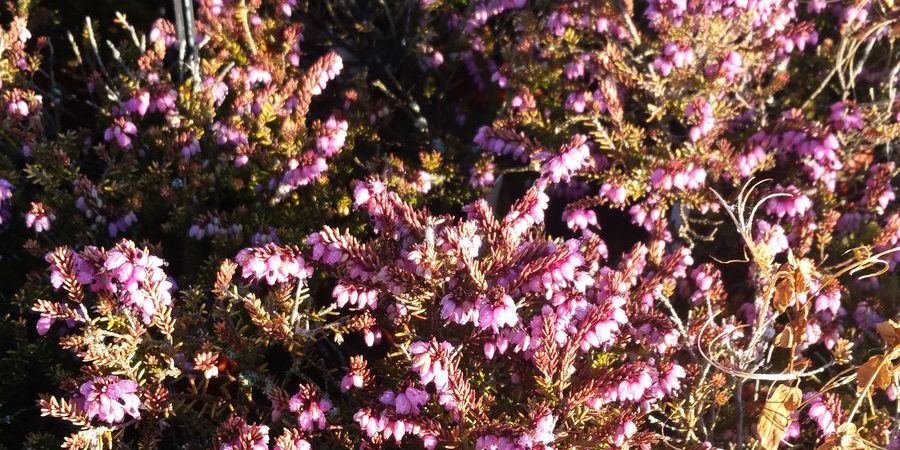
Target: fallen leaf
x,y
875,372
845,438
784,294
776,415
890,332
785,339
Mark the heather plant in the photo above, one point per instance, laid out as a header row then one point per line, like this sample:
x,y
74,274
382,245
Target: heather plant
x,y
680,100
182,146
678,97
180,151
499,224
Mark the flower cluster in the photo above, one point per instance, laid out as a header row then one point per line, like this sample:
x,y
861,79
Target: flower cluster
x,y
524,299
492,224
309,408
273,264
138,278
109,399
127,273
39,218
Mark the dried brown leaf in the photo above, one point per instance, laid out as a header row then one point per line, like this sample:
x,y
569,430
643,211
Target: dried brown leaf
x,y
844,439
890,332
785,339
876,371
776,415
784,294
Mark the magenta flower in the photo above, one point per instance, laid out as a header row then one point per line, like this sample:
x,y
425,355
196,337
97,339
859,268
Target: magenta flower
x,y
748,162
615,194
580,219
121,224
816,149
329,253
351,380
88,268
559,21
529,211
497,313
218,90
245,436
674,56
578,102
18,108
670,379
820,408
331,66
879,192
386,426
816,6
331,139
163,102
363,192
607,324
708,282
855,13
542,432
163,32
628,383
729,69
310,408
257,76
846,116
624,432
563,269
109,399
355,295
700,113
371,336
492,442
140,280
461,312
793,205
120,132
357,375
482,175
677,176
771,235
225,134
191,148
574,69
39,217
504,142
430,361
571,158
45,321
6,189
487,9
273,263
303,170
406,402
138,103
